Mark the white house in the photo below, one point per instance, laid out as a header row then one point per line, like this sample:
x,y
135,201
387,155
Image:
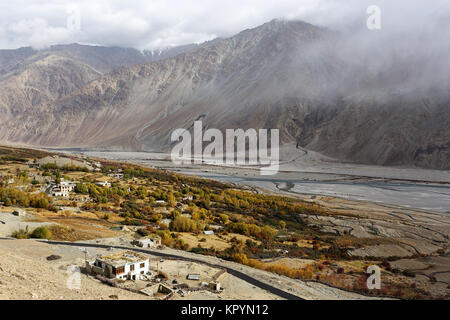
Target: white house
x,y
166,221
123,265
193,276
62,189
67,186
97,164
105,184
116,175
58,193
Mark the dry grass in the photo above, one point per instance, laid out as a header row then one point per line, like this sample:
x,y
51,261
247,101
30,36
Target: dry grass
x,y
349,241
75,229
306,272
293,263
212,241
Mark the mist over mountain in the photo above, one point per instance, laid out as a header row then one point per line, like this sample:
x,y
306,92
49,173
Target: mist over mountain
x,y
379,99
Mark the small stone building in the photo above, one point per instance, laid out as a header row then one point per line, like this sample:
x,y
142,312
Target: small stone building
x,y
150,242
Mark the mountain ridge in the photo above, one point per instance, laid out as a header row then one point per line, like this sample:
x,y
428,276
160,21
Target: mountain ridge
x,y
265,77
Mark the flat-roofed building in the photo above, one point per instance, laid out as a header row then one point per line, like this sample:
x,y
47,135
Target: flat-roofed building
x,y
104,184
123,265
193,276
150,242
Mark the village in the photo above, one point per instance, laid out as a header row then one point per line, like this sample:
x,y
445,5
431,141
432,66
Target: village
x,y
124,269
166,236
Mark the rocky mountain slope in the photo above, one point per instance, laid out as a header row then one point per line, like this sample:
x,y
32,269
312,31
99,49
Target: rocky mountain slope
x,y
29,78
283,74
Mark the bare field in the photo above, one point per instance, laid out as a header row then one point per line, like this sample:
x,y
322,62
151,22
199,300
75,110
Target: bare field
x,y
211,241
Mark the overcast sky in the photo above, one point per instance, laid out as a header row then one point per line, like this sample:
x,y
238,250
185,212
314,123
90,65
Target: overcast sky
x,y
150,24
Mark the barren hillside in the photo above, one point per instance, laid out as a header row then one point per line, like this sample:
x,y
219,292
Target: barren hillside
x,y
283,74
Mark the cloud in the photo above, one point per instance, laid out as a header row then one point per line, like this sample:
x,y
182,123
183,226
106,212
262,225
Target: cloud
x,y
152,24
407,56
140,24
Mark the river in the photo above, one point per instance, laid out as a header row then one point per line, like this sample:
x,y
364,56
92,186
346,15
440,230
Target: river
x,y
384,185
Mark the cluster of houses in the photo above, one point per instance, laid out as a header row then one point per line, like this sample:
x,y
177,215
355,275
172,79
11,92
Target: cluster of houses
x,y
116,175
64,188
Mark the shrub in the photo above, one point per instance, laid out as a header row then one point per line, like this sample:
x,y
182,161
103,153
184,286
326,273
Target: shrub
x,y
240,258
143,232
180,244
385,264
253,230
224,218
163,226
21,234
267,232
41,233
239,227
